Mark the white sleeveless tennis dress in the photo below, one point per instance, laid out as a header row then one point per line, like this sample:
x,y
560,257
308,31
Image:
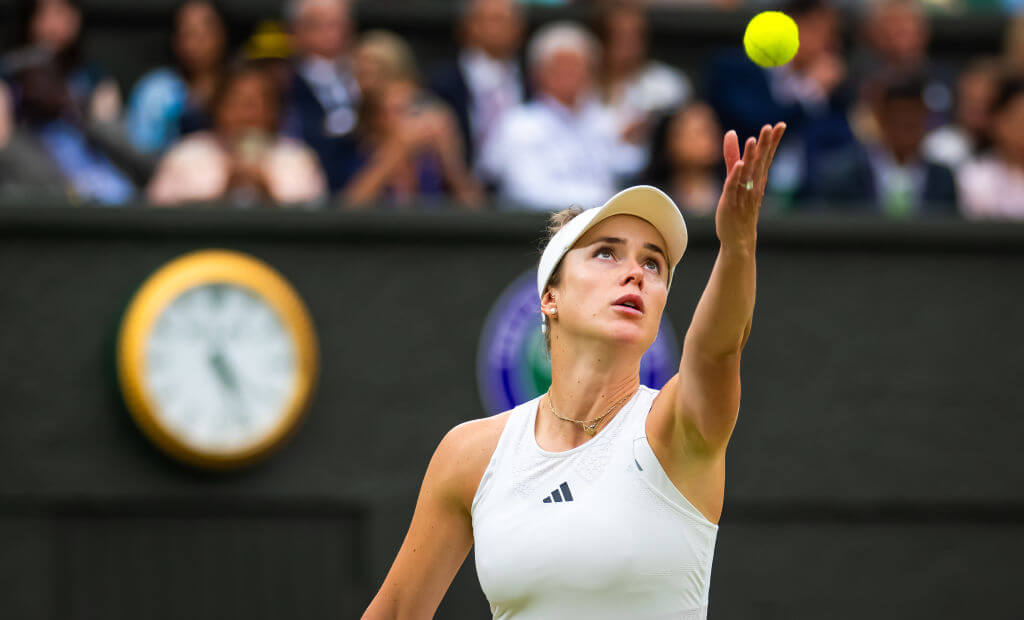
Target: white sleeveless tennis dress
x,y
598,531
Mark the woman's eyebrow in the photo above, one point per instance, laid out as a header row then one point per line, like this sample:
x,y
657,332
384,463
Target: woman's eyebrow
x,y
651,246
619,241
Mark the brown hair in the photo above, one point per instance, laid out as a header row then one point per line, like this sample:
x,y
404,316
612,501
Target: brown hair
x,y
237,72
556,222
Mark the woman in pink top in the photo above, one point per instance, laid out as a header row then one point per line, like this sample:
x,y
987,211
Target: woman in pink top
x,y
242,159
993,185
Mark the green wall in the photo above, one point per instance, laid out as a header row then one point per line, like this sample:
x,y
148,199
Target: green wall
x,y
875,470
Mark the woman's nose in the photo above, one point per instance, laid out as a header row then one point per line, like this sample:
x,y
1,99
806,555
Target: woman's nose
x,y
634,272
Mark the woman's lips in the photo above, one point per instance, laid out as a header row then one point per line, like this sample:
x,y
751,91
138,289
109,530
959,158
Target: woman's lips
x,y
628,310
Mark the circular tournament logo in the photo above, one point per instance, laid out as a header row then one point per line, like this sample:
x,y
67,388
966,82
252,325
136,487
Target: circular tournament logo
x,y
512,365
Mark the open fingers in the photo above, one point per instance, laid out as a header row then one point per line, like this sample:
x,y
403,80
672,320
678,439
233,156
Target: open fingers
x,y
735,180
767,143
748,149
731,149
777,131
752,167
758,166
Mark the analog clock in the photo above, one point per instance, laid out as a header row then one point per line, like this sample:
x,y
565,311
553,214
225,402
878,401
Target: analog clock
x,y
216,358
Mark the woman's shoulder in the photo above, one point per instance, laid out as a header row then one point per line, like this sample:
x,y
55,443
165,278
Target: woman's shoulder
x,y
476,439
466,450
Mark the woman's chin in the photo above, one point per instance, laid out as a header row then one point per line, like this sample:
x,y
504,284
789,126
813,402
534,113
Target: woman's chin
x,y
628,334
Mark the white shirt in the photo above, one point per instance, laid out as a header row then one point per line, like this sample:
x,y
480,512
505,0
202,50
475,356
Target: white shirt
x,y
949,145
545,156
495,87
656,87
596,532
991,189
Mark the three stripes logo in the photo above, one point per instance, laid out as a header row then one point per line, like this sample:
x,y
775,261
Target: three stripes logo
x,y
561,494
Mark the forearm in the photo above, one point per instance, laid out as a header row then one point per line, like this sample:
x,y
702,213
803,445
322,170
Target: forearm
x,y
369,183
457,177
722,320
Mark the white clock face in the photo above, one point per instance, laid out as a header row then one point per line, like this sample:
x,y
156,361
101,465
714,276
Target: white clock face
x,y
221,368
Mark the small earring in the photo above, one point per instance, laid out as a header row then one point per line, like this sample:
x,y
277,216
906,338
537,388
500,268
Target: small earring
x,y
554,311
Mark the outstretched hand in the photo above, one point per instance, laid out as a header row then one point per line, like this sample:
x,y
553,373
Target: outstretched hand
x,y
738,208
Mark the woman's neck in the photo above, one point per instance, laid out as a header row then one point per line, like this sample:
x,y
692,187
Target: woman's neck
x,y
202,84
622,70
586,382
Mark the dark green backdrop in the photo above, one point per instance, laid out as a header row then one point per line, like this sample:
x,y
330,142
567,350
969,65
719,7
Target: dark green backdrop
x,y
876,469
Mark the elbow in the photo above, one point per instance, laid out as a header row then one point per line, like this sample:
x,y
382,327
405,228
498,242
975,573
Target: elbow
x,y
716,355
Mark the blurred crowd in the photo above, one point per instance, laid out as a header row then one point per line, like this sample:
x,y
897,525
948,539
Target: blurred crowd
x,y
311,112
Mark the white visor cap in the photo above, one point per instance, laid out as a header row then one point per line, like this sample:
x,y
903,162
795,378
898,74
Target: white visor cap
x,y
644,201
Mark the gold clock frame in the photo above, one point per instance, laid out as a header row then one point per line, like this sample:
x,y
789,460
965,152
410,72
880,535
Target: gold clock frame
x,y
200,268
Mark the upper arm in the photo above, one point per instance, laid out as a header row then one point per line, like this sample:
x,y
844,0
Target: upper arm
x,y
697,409
441,533
708,396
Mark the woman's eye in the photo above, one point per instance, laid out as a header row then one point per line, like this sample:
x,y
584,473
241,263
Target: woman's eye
x,y
654,266
604,252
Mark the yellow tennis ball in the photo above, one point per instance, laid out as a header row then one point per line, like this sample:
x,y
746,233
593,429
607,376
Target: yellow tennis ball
x,y
771,39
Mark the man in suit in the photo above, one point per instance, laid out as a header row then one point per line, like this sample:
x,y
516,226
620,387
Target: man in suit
x,y
324,97
486,79
892,176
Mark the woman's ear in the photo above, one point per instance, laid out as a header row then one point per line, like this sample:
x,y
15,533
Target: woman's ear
x,y
549,303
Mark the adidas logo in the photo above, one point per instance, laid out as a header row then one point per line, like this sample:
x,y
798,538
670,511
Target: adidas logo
x,y
561,494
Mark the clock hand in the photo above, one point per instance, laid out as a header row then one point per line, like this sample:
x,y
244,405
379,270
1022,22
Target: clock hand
x,y
224,371
229,379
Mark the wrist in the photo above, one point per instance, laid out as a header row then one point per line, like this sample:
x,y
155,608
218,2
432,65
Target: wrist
x,y
741,249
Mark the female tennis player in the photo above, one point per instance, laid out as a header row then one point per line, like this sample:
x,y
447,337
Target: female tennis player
x,y
600,498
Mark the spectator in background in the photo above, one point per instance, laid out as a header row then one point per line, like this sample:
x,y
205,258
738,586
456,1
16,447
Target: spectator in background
x,y
993,185
686,158
172,101
635,87
564,147
408,144
892,176
964,138
51,151
807,94
243,159
270,48
896,35
486,79
56,26
324,96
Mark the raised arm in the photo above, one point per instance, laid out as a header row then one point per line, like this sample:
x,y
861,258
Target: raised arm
x,y
701,413
441,533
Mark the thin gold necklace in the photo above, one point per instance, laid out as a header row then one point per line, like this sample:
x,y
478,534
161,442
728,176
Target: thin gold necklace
x,y
589,426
